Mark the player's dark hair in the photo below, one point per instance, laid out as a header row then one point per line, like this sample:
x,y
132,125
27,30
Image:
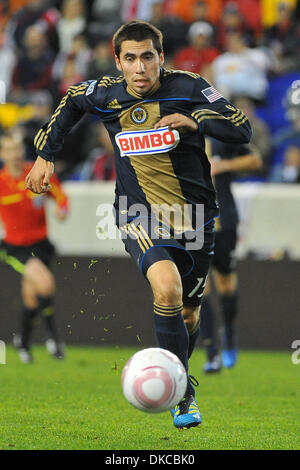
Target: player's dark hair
x,y
137,30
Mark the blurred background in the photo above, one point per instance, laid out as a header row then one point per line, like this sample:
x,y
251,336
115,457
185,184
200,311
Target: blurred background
x,y
249,49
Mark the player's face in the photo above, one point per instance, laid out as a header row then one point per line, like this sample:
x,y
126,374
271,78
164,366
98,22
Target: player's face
x,y
140,64
11,152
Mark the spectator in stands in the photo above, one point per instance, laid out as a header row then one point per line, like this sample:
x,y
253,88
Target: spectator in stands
x,y
200,11
42,108
7,60
186,10
105,17
39,13
104,168
141,9
100,162
261,136
233,21
291,165
102,61
287,142
241,70
3,15
80,54
33,68
173,28
200,54
71,23
297,11
70,75
284,39
251,11
269,11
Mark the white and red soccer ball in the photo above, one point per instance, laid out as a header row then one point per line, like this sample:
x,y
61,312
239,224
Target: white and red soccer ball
x,y
154,380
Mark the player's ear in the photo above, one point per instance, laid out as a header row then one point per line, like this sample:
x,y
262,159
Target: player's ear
x,y
161,59
118,63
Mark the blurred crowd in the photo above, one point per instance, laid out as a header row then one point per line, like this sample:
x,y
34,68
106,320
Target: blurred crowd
x,y
239,46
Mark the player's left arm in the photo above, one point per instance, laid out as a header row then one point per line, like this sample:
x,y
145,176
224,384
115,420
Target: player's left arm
x,y
249,161
216,117
58,194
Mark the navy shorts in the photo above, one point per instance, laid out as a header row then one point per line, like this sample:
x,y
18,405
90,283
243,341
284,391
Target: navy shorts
x,y
192,258
224,258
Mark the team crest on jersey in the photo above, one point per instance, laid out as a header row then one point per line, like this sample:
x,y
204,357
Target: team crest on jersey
x,y
139,115
151,141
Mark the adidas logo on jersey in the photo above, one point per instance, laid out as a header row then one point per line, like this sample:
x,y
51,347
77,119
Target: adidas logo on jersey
x,y
114,104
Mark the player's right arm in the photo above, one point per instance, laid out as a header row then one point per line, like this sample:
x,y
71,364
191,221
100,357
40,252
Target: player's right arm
x,y
50,138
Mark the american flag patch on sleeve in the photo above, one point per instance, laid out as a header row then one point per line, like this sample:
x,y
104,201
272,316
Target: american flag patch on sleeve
x,y
211,94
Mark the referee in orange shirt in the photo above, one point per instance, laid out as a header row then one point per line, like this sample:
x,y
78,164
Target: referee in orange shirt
x,y
25,246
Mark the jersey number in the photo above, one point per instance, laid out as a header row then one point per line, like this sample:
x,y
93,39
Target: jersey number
x,y
201,284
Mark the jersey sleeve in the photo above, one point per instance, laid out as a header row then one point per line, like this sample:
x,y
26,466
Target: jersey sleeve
x,y
77,101
216,117
229,151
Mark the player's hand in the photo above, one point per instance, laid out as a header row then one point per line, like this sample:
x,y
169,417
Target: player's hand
x,y
177,121
38,179
60,212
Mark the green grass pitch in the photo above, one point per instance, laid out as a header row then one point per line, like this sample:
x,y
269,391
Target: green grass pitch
x,y
78,404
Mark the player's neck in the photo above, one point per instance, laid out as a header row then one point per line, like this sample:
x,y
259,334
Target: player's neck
x,y
141,96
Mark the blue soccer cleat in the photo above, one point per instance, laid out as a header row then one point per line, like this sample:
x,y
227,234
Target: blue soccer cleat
x,y
212,366
186,414
229,357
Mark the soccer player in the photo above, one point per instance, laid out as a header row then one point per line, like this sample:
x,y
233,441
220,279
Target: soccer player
x,y
225,160
25,246
156,120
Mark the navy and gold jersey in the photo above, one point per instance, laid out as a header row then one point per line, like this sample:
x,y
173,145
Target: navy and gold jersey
x,y
153,167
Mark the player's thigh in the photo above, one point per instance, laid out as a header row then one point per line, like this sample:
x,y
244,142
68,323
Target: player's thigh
x,y
225,283
37,273
157,261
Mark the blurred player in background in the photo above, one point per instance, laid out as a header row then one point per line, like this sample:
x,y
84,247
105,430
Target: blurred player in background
x,y
156,166
25,246
225,161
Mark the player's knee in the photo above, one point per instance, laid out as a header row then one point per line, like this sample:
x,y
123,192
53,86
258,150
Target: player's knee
x,y
47,286
165,283
169,292
40,277
226,283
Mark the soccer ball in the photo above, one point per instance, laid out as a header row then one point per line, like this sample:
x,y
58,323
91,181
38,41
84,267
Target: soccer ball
x,y
154,380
